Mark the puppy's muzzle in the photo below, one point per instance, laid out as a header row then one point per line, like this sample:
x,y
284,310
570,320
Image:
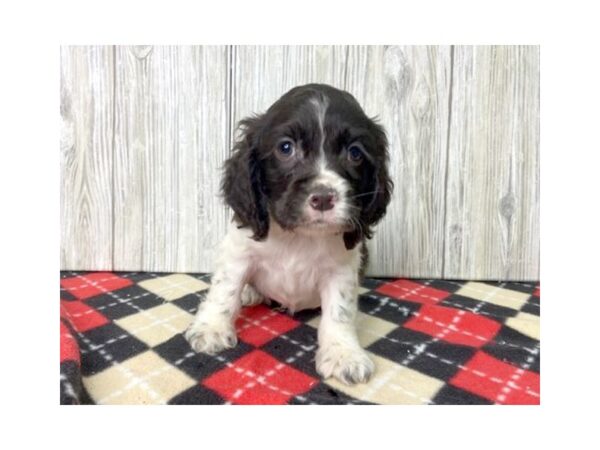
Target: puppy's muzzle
x,y
323,199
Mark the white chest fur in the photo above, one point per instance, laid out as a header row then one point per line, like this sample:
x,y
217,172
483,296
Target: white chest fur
x,y
289,267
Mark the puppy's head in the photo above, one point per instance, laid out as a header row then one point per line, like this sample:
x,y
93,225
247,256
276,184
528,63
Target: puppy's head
x,y
314,163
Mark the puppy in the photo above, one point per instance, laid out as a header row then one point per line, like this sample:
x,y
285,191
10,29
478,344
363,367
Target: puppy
x,y
306,181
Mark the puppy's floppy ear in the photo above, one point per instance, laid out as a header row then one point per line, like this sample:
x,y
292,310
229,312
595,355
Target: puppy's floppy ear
x,y
375,204
243,182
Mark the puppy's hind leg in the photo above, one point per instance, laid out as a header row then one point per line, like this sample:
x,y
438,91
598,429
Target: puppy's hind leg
x,y
250,296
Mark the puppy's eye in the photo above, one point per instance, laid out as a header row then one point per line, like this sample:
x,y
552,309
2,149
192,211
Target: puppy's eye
x,y
285,149
355,154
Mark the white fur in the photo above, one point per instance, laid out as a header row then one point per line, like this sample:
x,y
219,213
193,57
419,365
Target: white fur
x,y
299,270
339,185
321,104
327,177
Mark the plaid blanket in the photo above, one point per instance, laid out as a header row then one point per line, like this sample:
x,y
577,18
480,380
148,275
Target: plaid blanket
x,y
432,341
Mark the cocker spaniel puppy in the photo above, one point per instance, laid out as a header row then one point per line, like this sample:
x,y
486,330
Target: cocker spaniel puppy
x,y
306,181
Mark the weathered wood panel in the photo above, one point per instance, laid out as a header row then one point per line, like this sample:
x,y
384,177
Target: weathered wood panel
x,y
408,88
145,131
87,83
171,137
262,74
492,204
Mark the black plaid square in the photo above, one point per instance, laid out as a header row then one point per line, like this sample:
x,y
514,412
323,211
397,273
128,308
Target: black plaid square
x,y
190,302
66,295
511,346
532,306
124,302
322,394
442,285
387,308
296,348
450,395
197,395
136,277
373,283
420,352
305,315
69,274
497,312
178,352
104,346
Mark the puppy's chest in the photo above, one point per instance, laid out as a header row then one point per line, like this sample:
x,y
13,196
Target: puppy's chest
x,y
292,271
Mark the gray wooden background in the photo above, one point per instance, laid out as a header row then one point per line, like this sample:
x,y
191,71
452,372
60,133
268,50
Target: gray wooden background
x,y
144,131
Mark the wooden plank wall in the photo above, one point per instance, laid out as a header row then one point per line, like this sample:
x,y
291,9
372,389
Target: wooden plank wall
x,y
171,136
492,203
86,145
146,129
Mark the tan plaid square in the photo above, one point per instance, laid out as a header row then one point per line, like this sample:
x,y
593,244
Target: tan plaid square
x,y
156,325
144,379
494,294
528,324
172,287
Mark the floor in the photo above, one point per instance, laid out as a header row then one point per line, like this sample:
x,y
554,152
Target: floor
x,y
432,341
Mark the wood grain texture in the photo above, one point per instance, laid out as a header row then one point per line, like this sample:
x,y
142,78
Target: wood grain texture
x,y
262,74
171,138
86,146
145,131
408,88
492,209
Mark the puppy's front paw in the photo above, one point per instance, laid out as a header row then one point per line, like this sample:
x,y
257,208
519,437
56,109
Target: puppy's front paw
x,y
349,365
211,337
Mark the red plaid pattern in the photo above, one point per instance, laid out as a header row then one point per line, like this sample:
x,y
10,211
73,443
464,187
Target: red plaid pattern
x,y
82,317
454,325
258,378
69,350
414,292
499,382
257,325
92,284
433,342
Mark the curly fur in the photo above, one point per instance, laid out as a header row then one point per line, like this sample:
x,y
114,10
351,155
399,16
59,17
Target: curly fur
x,y
281,244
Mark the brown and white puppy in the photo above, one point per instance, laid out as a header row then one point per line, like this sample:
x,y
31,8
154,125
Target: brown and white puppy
x,y
307,180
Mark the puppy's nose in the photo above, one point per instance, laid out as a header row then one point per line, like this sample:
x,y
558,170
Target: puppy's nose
x,y
322,201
